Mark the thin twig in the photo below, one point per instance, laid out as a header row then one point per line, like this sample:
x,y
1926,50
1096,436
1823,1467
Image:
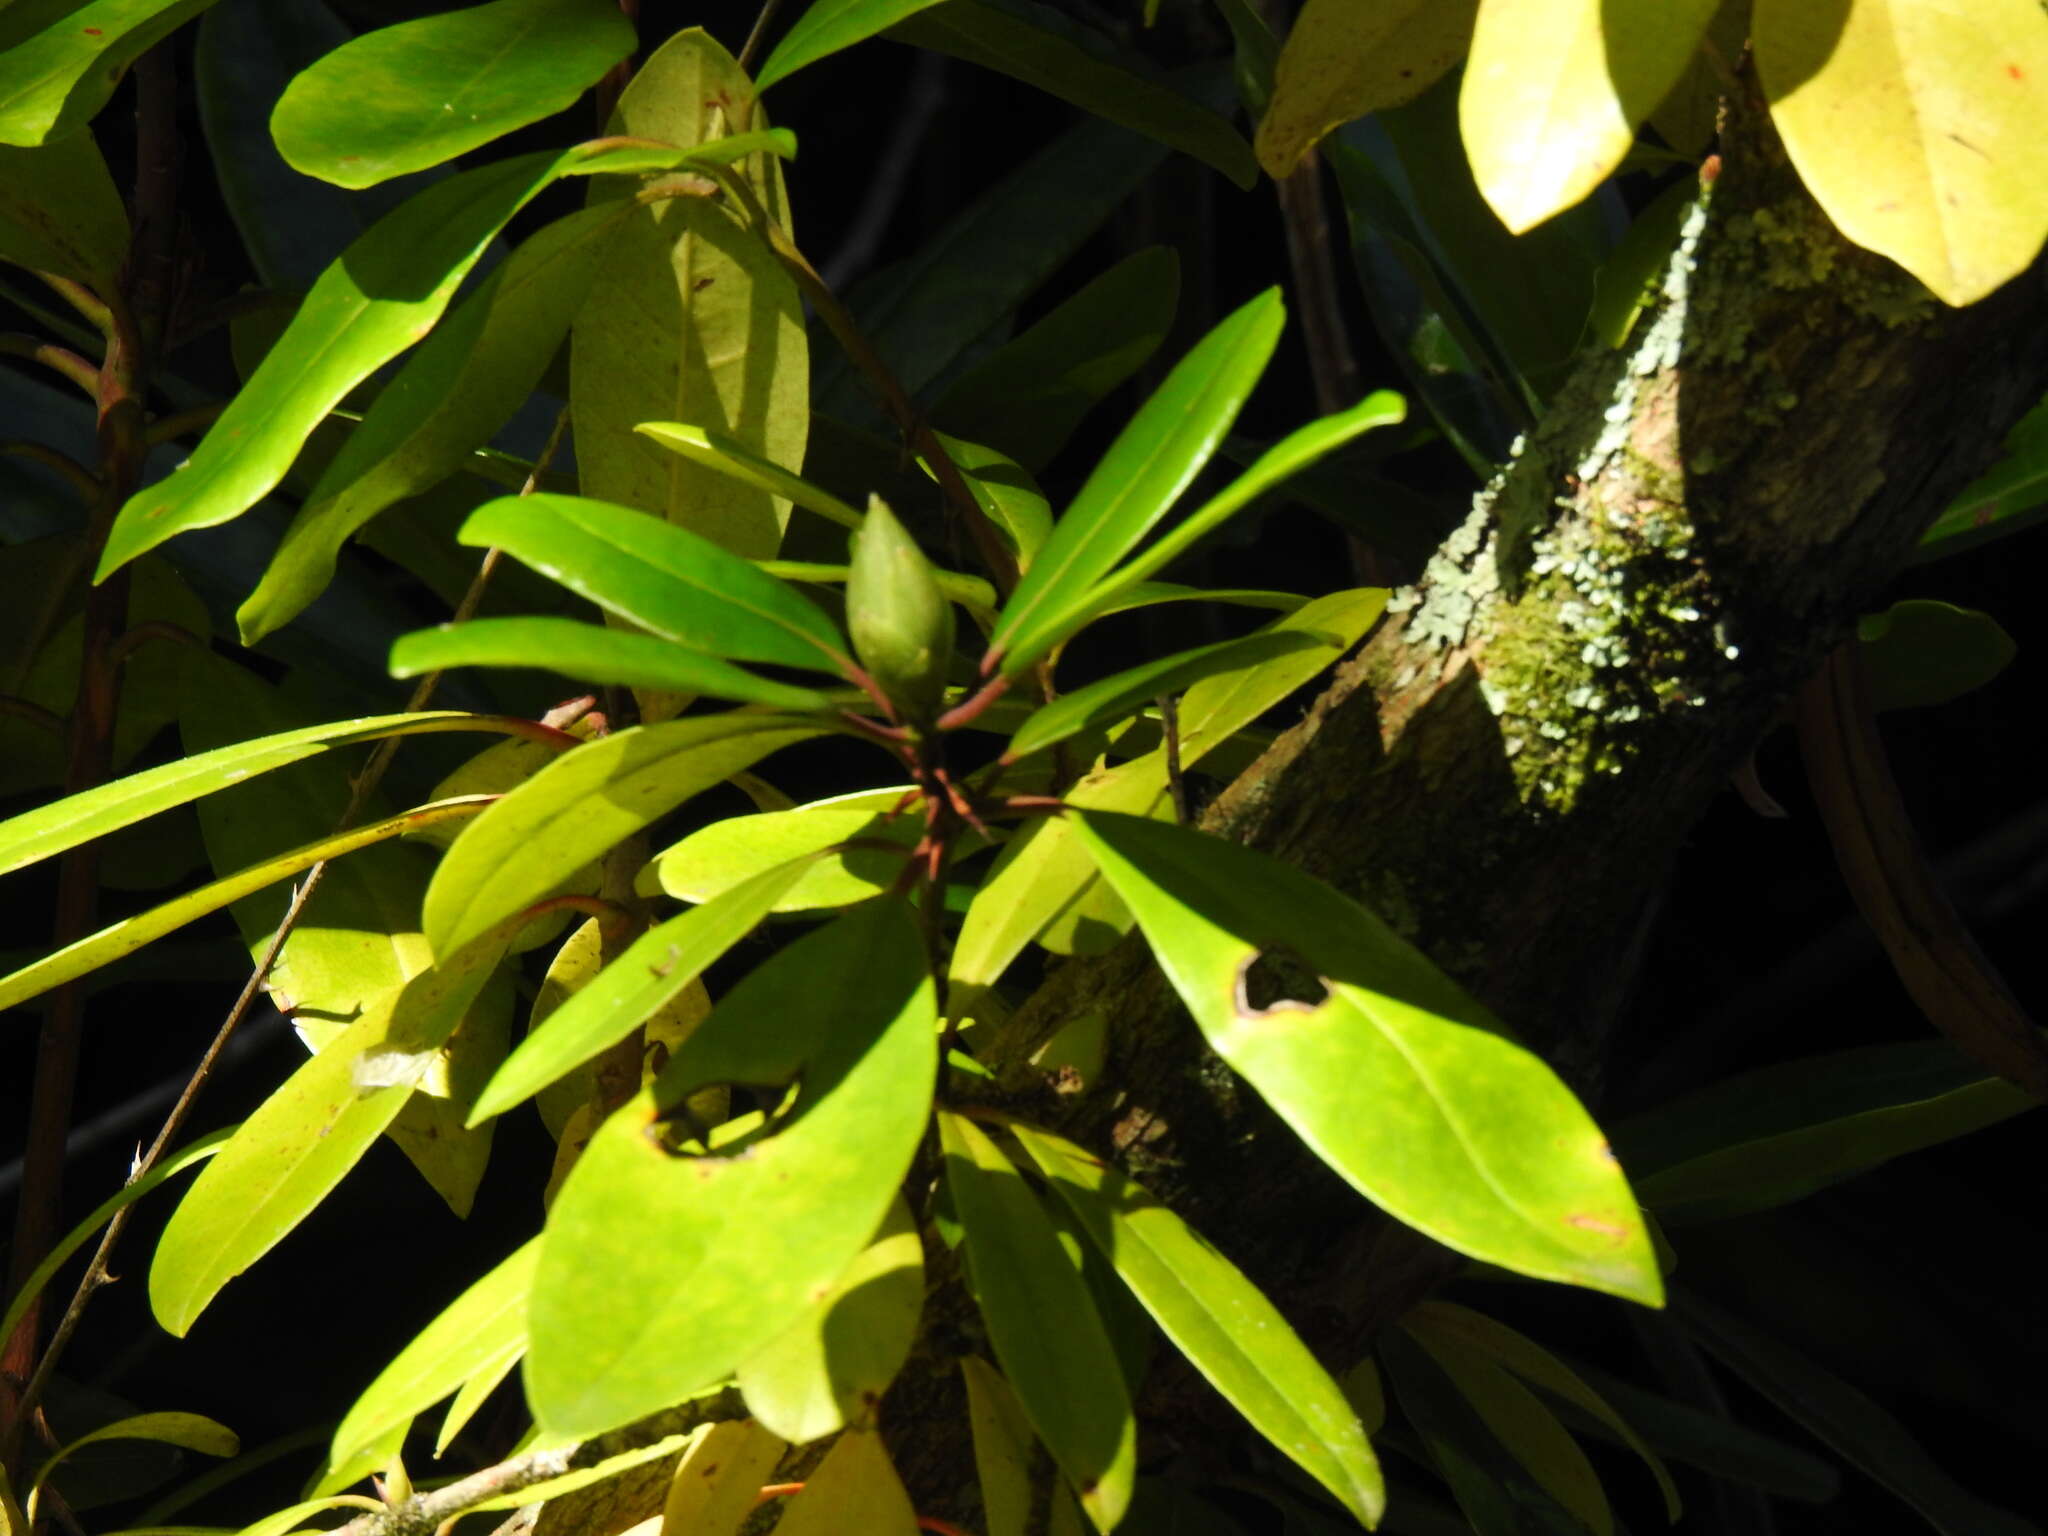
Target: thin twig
x,y
755,37
1169,724
181,423
74,474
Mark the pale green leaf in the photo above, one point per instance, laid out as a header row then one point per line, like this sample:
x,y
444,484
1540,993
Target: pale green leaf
x,y
653,1282
295,1517
717,857
694,320
1003,1448
187,1431
716,451
585,1477
1555,89
409,96
527,845
717,1483
830,1368
473,1393
1047,1334
1473,1139
1345,58
855,1488
59,212
1916,124
1222,1322
55,81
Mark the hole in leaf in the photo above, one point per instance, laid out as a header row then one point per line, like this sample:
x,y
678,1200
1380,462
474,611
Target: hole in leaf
x,y
1276,981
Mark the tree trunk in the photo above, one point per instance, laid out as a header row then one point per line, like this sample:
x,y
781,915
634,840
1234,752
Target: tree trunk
x,y
1506,768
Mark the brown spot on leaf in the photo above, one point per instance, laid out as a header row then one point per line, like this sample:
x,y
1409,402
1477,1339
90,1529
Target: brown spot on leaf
x,y
1597,1224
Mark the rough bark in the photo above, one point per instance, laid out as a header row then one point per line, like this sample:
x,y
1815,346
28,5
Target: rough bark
x,y
1506,768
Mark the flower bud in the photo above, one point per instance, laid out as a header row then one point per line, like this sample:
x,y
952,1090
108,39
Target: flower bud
x,y
901,623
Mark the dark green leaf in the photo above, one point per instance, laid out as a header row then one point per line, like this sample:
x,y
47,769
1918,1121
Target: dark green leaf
x,y
55,81
654,1281
410,96
462,384
665,579
1859,1430
1041,47
533,841
1047,1334
1111,698
1221,1321
826,28
59,212
1919,652
1138,480
1025,398
1472,1139
2011,495
589,653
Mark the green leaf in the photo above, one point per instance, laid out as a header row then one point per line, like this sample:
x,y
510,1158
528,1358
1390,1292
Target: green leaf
x,y
1041,47
1536,1365
54,82
1769,1137
1632,278
1343,60
829,26
716,858
1148,466
475,1392
855,1488
1025,398
1112,698
636,986
1473,1140
475,1329
1855,1427
305,1137
410,96
1526,1429
525,847
462,384
830,1368
1003,1448
1221,1321
675,583
1917,128
1148,594
926,310
654,1281
588,653
1047,1334
2011,495
290,1520
694,320
1920,652
1008,497
173,1164
188,1431
59,212
130,934
1555,89
716,451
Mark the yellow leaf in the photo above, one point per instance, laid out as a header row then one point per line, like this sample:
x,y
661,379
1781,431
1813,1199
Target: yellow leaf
x,y
1003,1447
1920,126
1346,58
854,1492
1555,89
718,1481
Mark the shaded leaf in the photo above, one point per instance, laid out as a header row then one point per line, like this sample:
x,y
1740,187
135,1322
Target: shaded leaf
x,y
1008,497
829,26
59,212
1025,398
1917,128
413,95
1137,481
1555,89
714,450
1343,59
1043,1324
1515,1171
1003,1448
529,843
652,1283
1043,48
461,386
1919,652
1217,1318
187,1431
2011,495
678,584
55,81
589,653
693,320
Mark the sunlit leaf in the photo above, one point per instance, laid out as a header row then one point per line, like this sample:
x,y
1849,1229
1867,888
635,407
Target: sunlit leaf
x,y
716,451
416,94
654,970
831,1367
653,1281
59,212
1919,652
54,82
717,1483
715,858
1221,1321
590,653
1148,466
462,384
1047,1334
827,27
667,580
1003,1448
1007,496
1917,127
1555,89
468,1337
1345,58
527,845
600,1471
855,1488
1472,1140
